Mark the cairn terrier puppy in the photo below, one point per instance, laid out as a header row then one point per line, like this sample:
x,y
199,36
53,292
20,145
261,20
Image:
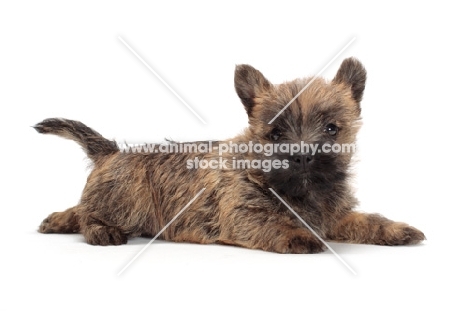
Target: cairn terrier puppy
x,y
138,194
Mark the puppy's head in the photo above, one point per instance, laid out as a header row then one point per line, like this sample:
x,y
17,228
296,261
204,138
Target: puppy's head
x,y
323,115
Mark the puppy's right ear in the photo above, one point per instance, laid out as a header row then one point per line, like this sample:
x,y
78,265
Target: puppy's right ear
x,y
250,84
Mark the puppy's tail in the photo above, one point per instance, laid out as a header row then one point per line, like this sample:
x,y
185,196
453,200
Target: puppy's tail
x,y
91,141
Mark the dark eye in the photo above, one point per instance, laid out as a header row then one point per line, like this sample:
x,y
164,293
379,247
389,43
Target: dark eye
x,y
275,134
331,129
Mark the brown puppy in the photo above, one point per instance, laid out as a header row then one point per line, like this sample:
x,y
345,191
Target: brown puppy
x,y
137,194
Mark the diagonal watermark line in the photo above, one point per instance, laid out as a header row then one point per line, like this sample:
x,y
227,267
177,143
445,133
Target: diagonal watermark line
x,y
315,233
161,231
161,79
312,80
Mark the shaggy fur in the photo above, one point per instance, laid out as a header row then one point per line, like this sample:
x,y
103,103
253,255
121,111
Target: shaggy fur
x,y
129,194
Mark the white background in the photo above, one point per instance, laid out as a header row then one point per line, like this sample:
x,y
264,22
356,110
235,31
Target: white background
x,y
62,60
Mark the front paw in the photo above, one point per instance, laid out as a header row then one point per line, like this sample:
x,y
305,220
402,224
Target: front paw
x,y
46,226
103,235
401,234
300,245
301,242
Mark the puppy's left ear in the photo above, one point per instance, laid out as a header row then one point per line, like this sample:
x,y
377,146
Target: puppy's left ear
x,y
250,84
353,74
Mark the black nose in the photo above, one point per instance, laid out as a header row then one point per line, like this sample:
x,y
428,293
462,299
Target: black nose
x,y
302,160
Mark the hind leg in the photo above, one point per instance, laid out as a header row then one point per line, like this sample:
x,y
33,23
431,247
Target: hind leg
x,y
61,222
97,232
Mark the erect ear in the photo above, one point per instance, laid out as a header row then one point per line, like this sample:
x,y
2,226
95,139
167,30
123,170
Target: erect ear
x,y
250,84
353,74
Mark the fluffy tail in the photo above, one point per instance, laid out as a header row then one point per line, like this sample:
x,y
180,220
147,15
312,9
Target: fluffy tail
x,y
91,141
